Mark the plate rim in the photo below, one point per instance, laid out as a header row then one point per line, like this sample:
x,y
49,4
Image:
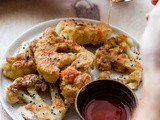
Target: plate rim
x,y
36,27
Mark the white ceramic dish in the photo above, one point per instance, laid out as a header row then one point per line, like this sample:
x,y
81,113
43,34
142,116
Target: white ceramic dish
x,y
15,112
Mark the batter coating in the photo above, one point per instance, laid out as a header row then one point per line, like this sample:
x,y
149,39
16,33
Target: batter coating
x,y
83,32
20,65
54,53
116,54
71,82
15,93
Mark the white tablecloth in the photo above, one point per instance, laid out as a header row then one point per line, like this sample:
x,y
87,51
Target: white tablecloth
x,y
16,16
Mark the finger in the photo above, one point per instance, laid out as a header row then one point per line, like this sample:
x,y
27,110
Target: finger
x,y
154,2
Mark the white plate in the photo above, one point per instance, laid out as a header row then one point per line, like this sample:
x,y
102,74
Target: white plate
x,y
15,112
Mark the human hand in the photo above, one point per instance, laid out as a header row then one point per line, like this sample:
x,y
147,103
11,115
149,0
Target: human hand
x,y
150,53
150,49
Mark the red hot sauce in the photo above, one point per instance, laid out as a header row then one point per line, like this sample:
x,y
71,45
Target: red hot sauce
x,y
106,110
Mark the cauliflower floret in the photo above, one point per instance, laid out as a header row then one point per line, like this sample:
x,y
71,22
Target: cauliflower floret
x,y
53,53
43,111
19,66
16,93
126,43
103,59
116,54
71,81
84,61
83,32
32,45
104,75
126,64
132,68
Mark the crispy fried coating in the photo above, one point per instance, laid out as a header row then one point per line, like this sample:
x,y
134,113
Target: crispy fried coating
x,y
108,53
103,59
43,111
32,45
83,32
71,81
132,68
116,54
20,65
104,75
54,53
15,91
84,61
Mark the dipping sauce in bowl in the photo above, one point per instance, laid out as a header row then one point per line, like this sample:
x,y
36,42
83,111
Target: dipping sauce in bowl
x,y
105,100
108,109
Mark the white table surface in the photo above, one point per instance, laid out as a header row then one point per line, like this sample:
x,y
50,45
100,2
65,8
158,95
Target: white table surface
x,y
16,16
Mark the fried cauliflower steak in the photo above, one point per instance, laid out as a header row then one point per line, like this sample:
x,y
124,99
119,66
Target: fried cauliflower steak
x,y
54,53
71,81
83,32
20,65
116,54
16,93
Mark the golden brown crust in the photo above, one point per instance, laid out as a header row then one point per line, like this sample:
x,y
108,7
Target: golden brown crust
x,y
33,46
103,59
116,54
126,64
20,65
83,32
31,80
104,75
43,111
84,61
72,81
46,112
54,52
15,91
24,89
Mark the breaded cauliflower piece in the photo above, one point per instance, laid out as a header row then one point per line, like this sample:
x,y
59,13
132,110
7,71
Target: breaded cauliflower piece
x,y
20,65
104,75
116,54
54,53
15,93
83,32
71,81
103,59
84,61
43,111
32,45
132,68
108,53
